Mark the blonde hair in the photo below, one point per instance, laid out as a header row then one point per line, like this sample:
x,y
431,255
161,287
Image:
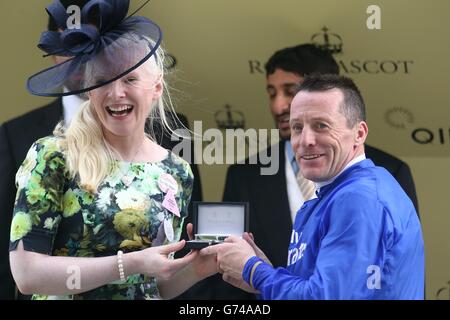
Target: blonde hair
x,y
89,156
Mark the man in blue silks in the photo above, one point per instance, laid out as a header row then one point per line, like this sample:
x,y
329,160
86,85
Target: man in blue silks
x,y
360,238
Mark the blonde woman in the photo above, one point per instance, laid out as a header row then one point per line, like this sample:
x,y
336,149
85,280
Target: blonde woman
x,y
100,206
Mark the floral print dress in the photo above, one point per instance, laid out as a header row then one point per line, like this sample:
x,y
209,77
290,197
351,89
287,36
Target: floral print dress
x,y
53,215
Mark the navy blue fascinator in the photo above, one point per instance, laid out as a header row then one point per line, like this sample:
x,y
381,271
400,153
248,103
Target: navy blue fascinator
x,y
106,45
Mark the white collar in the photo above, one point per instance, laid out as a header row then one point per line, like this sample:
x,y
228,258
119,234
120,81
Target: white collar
x,y
71,105
352,162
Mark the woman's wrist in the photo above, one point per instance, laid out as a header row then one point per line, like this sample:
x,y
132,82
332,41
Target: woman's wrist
x,y
133,263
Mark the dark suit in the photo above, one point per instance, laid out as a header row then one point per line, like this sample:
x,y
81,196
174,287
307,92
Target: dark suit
x,y
16,137
270,218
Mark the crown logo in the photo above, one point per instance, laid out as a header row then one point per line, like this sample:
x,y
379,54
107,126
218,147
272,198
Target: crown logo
x,y
229,119
330,42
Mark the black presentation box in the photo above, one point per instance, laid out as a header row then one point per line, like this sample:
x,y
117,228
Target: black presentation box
x,y
215,221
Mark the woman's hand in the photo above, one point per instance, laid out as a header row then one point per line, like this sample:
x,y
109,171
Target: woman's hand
x,y
157,264
198,267
203,266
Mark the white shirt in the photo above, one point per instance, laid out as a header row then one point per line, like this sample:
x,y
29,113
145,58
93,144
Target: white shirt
x,y
71,105
354,161
294,194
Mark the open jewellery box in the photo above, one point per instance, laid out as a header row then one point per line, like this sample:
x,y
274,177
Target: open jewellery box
x,y
215,221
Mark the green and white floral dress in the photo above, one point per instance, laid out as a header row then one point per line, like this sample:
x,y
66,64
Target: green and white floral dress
x,y
53,215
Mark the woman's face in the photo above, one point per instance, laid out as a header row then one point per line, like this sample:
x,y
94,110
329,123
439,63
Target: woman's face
x,y
124,105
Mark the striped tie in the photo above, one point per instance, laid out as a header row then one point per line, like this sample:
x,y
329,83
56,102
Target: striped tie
x,y
307,187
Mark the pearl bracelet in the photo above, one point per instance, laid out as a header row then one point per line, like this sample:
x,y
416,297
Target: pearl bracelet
x,y
120,265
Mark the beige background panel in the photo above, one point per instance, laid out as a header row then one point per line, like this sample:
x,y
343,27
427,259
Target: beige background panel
x,y
429,176
213,42
21,25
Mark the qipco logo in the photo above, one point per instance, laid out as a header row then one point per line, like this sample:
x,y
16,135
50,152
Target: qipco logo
x,y
431,136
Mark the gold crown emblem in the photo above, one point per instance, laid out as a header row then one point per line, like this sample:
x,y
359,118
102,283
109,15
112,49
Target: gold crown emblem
x,y
229,119
330,42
